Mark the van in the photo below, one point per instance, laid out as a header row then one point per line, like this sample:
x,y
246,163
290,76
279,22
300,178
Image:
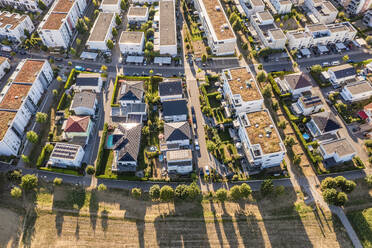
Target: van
x,y
6,49
336,62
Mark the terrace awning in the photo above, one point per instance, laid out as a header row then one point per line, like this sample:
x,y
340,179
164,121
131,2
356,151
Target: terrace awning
x,y
322,49
305,52
134,59
340,46
88,55
163,60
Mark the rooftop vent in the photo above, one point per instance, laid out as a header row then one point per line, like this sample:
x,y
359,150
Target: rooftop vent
x,y
218,8
256,125
225,26
268,135
260,135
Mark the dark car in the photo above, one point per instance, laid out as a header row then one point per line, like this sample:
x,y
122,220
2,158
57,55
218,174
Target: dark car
x,y
58,59
201,173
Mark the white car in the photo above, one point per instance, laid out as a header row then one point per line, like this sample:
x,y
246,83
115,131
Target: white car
x,y
206,169
196,143
336,62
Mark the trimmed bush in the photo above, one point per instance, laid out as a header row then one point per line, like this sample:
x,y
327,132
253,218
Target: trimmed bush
x,y
70,79
44,155
115,92
61,101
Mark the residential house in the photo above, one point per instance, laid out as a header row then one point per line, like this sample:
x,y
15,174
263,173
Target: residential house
x,y
4,66
131,42
307,104
126,140
217,28
58,25
366,113
66,155
323,123
296,83
111,6
241,90
77,126
336,151
179,161
175,110
323,10
170,90
84,103
131,92
340,74
14,25
24,5
356,91
88,82
261,141
137,14
270,35
250,7
176,135
282,6
101,31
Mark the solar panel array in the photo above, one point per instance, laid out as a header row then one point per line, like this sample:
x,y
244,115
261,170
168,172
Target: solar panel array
x,y
65,151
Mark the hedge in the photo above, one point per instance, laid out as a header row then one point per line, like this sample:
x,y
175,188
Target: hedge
x,y
100,167
45,153
61,170
304,144
115,92
61,101
69,79
276,88
358,162
288,112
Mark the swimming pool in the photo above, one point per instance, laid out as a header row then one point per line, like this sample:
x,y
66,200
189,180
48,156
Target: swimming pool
x,y
306,136
110,141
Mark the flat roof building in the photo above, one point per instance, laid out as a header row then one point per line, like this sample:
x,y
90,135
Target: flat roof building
x,y
131,42
101,31
111,6
167,40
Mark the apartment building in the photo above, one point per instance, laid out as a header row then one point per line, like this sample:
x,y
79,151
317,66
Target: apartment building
x,y
217,28
24,5
282,6
58,25
131,42
323,10
367,18
356,7
19,100
261,141
101,31
111,6
320,34
13,26
250,7
138,14
241,90
269,34
4,66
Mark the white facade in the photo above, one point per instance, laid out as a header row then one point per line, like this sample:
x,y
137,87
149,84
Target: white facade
x,y
4,66
241,90
340,150
339,80
357,92
10,142
282,6
307,105
138,14
217,28
112,6
95,87
101,31
250,7
58,25
367,19
166,33
175,118
66,155
358,6
13,25
131,42
179,161
27,5
324,11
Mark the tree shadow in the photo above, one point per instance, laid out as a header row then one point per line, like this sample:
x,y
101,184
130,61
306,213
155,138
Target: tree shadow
x,y
249,230
229,228
59,222
341,234
216,223
104,221
93,209
30,218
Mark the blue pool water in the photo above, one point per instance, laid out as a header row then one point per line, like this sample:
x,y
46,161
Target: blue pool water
x,y
306,136
110,143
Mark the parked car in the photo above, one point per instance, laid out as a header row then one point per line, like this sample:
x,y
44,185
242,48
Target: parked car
x,y
324,64
336,62
206,169
89,69
58,59
79,68
196,143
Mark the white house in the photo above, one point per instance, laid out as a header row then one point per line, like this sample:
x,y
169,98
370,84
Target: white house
x,y
57,27
66,155
88,81
138,14
217,28
4,66
340,74
170,90
166,36
179,161
270,35
101,31
13,26
336,151
77,126
307,104
357,91
282,6
24,5
176,135
323,123
111,6
241,90
175,110
295,83
84,103
261,141
323,10
250,7
131,42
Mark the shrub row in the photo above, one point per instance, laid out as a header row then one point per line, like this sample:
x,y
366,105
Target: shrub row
x,y
288,112
44,155
115,92
358,162
70,79
100,167
276,88
61,101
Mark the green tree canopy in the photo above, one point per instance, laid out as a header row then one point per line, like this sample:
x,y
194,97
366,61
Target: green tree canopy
x,y
32,137
29,182
267,187
221,194
166,193
154,192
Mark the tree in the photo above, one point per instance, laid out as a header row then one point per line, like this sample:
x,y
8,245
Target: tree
x,y
90,170
59,79
32,137
81,26
340,181
282,124
149,46
29,182
41,5
289,141
25,158
345,58
114,32
117,20
41,117
55,93
14,176
237,25
204,58
16,192
328,183
297,159
267,187
235,193
316,68
150,32
193,191
101,187
369,39
166,193
211,146
368,180
123,5
86,20
72,51
330,195
221,194
233,17
78,41
261,77
341,15
103,68
57,181
245,190
110,44
136,193
267,91
341,199
349,186
154,192
181,191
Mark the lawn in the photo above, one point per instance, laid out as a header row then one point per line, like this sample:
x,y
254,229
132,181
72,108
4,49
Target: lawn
x,y
362,223
60,170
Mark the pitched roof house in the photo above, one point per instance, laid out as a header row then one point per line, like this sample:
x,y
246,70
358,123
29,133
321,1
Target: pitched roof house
x,y
295,83
323,123
131,92
77,126
170,90
176,134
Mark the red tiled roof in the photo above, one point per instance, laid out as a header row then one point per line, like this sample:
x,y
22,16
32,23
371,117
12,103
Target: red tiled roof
x,y
77,124
363,115
368,107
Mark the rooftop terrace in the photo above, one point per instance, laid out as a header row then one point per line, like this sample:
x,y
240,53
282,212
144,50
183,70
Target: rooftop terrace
x,y
242,82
